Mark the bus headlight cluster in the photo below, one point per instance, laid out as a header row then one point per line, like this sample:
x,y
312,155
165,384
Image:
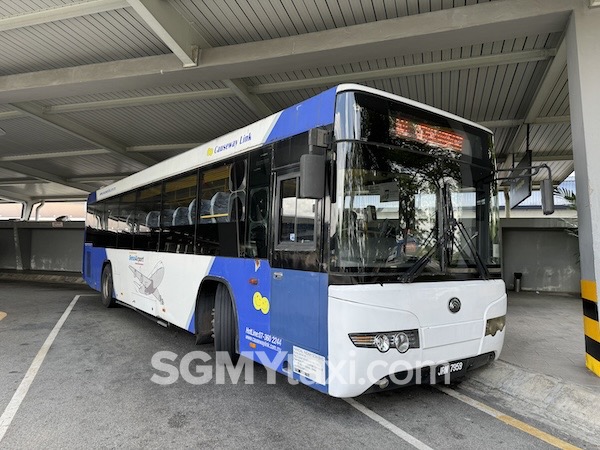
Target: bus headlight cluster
x,y
492,326
401,340
382,342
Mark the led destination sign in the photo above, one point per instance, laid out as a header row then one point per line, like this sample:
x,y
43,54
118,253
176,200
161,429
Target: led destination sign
x,y
427,134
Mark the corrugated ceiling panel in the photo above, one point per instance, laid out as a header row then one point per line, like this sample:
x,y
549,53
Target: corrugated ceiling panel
x,y
77,166
172,123
557,103
14,8
238,21
483,93
103,37
560,171
21,139
552,139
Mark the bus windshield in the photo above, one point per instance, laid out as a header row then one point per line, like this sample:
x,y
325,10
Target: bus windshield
x,y
415,197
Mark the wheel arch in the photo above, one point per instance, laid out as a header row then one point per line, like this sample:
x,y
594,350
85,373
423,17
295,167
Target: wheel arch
x,y
205,302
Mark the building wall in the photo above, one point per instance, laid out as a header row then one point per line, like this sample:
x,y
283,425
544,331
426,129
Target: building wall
x,y
539,248
544,252
47,246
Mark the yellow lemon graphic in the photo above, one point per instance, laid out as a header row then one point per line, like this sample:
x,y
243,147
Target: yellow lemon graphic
x,y
210,151
261,303
256,300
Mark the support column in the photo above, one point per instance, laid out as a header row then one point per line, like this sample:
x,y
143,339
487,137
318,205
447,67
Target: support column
x,y
583,50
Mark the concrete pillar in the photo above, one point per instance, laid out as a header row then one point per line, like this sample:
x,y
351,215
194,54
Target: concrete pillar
x,y
583,57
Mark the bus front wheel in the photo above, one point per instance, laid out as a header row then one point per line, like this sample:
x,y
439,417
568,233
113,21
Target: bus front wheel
x,y
225,325
107,287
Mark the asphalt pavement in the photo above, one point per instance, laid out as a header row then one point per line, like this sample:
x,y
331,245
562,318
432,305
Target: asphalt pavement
x,y
94,389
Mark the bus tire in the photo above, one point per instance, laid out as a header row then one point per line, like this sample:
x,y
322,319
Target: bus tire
x,y
106,287
225,325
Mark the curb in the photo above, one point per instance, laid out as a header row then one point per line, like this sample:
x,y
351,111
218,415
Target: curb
x,y
565,406
44,278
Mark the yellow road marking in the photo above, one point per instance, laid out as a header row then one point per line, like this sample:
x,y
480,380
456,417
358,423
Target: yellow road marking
x,y
2,315
552,440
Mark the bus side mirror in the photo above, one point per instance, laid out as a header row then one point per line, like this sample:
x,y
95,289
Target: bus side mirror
x,y
312,176
547,194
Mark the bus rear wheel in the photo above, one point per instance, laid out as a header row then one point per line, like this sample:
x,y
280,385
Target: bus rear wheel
x,y
225,325
107,287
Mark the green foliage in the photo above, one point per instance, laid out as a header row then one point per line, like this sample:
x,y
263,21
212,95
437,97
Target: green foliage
x,y
571,198
568,195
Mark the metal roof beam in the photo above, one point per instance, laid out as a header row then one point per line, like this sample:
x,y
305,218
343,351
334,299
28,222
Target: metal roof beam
x,y
42,175
7,115
252,91
403,71
252,101
52,155
60,13
139,101
80,131
170,26
14,197
548,120
444,29
163,147
99,178
15,181
547,156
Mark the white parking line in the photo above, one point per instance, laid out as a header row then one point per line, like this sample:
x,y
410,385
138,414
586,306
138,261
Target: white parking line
x,y
390,426
17,399
542,435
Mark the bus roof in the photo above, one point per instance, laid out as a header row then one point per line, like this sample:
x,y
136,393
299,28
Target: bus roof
x,y
311,113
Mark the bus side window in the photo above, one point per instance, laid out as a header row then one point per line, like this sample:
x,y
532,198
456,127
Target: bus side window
x,y
111,222
148,204
258,204
177,233
297,221
126,221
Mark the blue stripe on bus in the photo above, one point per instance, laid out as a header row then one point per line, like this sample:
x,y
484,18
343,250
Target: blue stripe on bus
x,y
91,198
93,260
315,112
274,325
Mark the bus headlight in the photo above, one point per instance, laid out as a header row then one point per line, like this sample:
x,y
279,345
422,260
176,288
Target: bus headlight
x,y
492,326
401,342
382,342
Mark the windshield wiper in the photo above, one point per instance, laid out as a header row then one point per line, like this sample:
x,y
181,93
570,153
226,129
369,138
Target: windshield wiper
x,y
424,260
450,225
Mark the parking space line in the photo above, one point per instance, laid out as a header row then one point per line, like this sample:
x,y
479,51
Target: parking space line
x,y
21,392
552,440
2,315
390,426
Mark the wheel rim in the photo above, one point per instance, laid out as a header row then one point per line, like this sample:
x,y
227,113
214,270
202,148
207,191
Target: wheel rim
x,y
105,287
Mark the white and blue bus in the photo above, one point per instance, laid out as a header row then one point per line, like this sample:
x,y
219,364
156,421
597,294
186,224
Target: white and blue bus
x,y
351,238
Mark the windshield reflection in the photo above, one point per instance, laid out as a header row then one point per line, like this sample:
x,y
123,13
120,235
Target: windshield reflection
x,y
395,204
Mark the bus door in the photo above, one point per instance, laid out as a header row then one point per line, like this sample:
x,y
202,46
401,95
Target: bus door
x,y
298,285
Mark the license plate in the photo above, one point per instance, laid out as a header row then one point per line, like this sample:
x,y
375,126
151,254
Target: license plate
x,y
450,368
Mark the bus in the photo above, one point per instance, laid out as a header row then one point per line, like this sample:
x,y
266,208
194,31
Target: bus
x,y
350,242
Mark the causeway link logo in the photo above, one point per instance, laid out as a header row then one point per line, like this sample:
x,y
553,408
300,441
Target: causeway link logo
x,y
210,151
261,303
